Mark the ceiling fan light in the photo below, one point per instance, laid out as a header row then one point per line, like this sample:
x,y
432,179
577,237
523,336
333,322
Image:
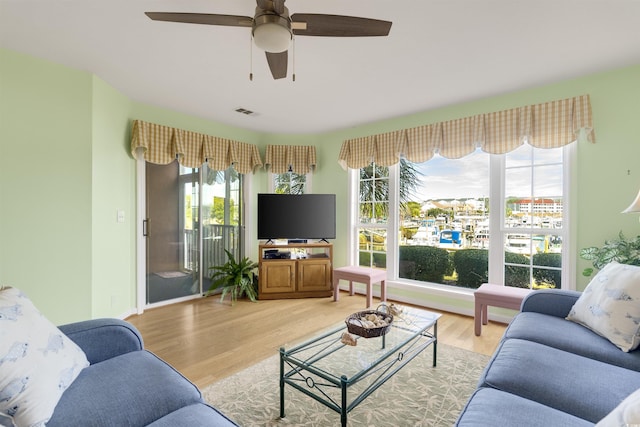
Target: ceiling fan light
x,y
272,36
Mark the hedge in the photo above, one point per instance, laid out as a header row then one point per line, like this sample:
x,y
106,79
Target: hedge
x,y
515,276
424,263
545,278
431,264
472,266
379,259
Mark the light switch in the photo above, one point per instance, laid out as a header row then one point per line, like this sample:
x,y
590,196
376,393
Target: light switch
x,y
120,214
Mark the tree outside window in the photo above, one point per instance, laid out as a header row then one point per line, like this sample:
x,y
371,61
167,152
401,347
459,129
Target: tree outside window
x,y
374,210
290,183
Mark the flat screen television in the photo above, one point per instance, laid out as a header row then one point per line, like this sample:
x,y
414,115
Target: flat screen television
x,y
296,216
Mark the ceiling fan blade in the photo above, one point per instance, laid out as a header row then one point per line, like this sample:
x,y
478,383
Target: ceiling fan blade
x,y
338,25
202,18
278,64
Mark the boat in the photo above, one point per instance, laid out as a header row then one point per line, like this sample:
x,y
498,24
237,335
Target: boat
x,y
526,244
425,236
450,239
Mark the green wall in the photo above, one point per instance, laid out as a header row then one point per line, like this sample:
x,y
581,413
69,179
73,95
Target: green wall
x,y
113,243
45,184
65,171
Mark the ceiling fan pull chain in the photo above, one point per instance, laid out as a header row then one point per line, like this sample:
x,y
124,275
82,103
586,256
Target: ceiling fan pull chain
x,y
251,57
293,60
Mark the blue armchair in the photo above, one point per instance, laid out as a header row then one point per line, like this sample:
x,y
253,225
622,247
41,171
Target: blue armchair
x,y
126,385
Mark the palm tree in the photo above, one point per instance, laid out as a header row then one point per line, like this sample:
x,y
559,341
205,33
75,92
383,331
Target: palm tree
x,y
290,183
374,188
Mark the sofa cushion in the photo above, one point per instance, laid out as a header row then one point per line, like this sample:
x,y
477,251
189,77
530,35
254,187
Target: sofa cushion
x,y
194,415
491,407
577,385
134,389
102,339
610,305
37,361
554,302
626,413
570,336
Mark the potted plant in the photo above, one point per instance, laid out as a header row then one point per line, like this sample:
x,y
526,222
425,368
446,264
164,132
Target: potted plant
x,y
621,250
235,278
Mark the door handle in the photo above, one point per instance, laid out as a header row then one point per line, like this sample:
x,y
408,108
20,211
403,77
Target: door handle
x,y
145,227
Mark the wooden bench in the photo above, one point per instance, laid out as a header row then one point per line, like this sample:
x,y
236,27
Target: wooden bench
x,y
368,276
496,296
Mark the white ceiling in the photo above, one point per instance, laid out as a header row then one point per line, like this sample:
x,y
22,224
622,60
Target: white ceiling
x,y
439,52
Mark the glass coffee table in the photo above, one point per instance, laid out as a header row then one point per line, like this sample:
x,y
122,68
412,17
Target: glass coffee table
x,y
341,376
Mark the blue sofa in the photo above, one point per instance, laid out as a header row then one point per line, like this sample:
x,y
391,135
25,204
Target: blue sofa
x,y
548,371
127,386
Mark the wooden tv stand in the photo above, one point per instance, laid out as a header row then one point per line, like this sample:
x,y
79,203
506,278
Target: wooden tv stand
x,y
308,273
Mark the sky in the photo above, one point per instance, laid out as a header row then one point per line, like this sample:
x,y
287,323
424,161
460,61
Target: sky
x,y
468,177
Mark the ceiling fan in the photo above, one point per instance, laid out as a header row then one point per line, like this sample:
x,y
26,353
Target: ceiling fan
x,y
273,29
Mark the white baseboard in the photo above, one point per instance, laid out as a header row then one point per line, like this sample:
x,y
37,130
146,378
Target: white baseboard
x,y
128,313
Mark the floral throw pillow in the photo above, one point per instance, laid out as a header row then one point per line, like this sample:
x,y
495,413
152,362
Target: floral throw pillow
x,y
37,361
610,305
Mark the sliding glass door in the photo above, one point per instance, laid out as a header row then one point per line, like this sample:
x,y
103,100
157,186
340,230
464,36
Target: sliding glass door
x,y
192,216
171,230
221,219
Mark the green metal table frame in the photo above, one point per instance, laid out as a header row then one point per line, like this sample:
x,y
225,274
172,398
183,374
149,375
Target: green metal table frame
x,y
303,374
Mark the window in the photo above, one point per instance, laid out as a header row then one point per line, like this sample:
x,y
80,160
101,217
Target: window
x,y
532,228
373,212
452,217
463,222
291,183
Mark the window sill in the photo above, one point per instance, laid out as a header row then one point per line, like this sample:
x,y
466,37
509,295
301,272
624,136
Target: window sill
x,y
434,296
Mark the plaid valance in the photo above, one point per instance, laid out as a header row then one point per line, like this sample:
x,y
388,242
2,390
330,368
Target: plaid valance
x,y
162,145
295,158
548,125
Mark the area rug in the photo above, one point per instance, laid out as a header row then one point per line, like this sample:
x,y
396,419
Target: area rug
x,y
418,395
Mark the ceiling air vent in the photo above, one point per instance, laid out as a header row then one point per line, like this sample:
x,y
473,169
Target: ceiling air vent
x,y
244,111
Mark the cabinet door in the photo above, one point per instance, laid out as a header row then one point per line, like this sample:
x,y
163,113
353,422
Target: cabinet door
x,y
278,277
314,275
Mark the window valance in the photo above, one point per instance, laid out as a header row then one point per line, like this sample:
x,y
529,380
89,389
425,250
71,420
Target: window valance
x,y
295,158
548,125
162,145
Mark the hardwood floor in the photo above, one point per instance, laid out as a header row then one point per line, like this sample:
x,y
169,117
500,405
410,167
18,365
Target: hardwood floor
x,y
207,340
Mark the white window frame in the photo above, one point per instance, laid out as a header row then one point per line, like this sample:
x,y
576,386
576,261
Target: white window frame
x,y
400,287
392,223
496,222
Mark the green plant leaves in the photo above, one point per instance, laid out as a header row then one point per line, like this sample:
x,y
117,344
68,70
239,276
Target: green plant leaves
x,y
619,250
235,279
